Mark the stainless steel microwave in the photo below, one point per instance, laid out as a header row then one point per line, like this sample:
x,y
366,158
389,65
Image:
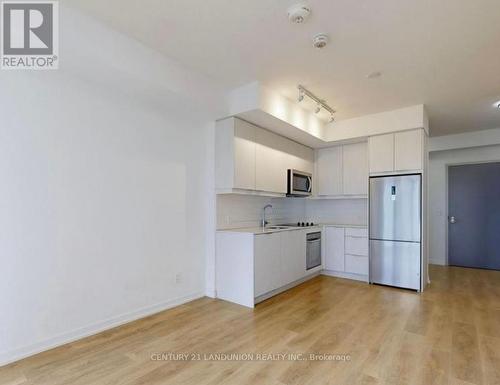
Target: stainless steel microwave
x,y
299,183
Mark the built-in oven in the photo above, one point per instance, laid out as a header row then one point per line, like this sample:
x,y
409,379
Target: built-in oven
x,y
313,250
299,183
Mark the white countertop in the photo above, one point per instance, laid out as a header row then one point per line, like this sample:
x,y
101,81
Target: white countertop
x,y
260,230
345,225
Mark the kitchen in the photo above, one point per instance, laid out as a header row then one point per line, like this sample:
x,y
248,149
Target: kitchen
x,y
287,212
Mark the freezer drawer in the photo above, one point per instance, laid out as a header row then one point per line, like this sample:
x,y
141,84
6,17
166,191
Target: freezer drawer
x,y
395,264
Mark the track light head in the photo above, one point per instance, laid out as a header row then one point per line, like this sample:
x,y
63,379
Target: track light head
x,y
332,118
301,95
318,109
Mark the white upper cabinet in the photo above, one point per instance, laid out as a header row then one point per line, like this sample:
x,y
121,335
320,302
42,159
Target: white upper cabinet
x,y
251,158
274,156
301,157
408,150
329,171
342,170
381,153
355,169
244,159
399,152
235,155
271,162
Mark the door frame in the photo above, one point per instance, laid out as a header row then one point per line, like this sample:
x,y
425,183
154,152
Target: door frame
x,y
447,197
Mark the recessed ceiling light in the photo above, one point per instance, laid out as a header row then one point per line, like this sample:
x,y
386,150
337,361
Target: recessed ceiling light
x,y
497,104
374,75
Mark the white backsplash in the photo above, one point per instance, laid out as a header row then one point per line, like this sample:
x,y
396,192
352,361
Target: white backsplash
x,y
341,211
238,211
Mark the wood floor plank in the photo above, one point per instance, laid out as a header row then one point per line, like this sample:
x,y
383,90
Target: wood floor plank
x,y
490,354
465,359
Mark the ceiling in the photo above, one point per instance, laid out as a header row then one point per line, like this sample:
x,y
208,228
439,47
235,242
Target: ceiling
x,y
444,54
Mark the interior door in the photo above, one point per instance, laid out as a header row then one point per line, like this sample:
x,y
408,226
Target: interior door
x,y
474,215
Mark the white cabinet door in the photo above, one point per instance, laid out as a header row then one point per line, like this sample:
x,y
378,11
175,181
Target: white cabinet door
x,y
334,248
381,153
293,256
244,155
355,169
356,264
356,246
329,171
408,150
271,162
301,158
267,263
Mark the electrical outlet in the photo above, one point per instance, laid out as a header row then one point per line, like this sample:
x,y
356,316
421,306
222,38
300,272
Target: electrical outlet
x,y
178,278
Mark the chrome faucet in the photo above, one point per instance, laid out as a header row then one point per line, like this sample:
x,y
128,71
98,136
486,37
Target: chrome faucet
x,y
263,220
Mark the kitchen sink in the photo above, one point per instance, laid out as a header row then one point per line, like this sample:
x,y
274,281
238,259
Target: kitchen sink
x,y
277,227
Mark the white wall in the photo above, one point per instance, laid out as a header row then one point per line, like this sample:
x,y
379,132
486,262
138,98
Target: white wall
x,y
104,184
408,118
438,200
465,140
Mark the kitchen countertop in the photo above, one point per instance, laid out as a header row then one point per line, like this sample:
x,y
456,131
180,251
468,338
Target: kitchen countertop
x,y
344,225
259,230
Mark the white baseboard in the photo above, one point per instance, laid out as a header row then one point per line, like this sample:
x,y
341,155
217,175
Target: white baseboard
x,y
340,274
279,290
98,327
437,262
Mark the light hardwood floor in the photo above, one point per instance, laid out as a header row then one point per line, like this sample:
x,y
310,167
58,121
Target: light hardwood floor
x,y
450,334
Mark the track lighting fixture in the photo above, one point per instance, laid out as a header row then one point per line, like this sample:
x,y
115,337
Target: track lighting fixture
x,y
332,118
320,103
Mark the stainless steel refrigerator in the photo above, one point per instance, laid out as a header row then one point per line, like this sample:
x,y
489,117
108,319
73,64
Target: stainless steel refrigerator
x,y
395,230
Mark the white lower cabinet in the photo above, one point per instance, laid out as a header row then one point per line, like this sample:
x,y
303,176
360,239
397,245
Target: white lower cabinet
x,y
280,259
356,264
334,248
252,267
267,263
356,245
293,256
346,252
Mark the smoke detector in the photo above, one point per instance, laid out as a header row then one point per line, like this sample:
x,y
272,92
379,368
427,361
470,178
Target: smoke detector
x,y
320,40
298,13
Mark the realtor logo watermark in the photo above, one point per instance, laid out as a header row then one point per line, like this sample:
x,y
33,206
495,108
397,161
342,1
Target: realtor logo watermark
x,y
30,35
